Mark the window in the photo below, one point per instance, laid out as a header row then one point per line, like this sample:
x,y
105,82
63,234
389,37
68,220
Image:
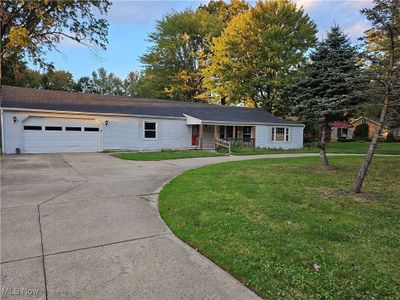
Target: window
x,y
53,128
73,129
91,129
150,130
280,134
32,127
247,132
342,132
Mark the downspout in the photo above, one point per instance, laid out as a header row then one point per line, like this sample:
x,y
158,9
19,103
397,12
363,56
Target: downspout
x,y
2,131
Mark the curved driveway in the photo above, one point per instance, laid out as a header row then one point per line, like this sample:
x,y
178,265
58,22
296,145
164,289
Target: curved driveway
x,y
86,226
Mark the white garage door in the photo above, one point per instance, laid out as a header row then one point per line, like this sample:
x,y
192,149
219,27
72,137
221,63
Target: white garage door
x,y
49,135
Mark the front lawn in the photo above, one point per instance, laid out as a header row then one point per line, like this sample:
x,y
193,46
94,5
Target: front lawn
x,y
289,230
334,147
165,154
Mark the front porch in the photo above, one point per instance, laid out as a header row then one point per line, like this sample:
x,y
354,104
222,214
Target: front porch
x,y
206,136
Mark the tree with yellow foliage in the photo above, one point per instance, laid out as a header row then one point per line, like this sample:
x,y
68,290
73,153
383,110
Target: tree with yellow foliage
x,y
29,28
257,54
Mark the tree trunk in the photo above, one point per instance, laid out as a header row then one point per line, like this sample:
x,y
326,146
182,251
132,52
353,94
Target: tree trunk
x,y
322,148
362,173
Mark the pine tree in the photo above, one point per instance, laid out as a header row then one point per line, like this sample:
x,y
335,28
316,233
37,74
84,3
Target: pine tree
x,y
325,91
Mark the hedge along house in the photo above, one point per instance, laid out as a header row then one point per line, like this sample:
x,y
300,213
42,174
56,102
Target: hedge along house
x,y
43,121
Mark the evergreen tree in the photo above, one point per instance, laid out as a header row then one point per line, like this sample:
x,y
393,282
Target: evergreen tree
x,y
326,90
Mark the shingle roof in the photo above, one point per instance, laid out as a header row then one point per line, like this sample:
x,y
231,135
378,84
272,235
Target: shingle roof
x,y
27,98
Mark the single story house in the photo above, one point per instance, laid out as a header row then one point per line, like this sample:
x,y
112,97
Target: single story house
x,y
341,130
372,126
43,121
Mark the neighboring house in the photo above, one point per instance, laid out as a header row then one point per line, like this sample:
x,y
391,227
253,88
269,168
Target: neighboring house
x,y
43,121
372,126
341,130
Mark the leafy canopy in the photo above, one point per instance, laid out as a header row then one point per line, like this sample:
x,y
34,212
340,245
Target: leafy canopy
x,y
180,46
32,27
257,54
382,44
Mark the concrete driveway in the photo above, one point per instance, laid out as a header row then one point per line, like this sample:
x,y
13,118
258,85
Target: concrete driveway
x,y
86,226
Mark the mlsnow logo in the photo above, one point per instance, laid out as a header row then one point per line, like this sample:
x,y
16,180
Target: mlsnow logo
x,y
18,291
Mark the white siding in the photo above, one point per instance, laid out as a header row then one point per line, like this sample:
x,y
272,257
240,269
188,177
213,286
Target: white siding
x,y
122,133
126,133
12,132
264,138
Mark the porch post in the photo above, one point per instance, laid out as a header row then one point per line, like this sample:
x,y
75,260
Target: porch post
x,y
201,136
234,133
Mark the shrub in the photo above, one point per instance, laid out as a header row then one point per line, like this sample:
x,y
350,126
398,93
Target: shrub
x,y
390,137
361,131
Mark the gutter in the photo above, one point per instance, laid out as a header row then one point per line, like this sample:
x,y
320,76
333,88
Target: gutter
x,y
88,113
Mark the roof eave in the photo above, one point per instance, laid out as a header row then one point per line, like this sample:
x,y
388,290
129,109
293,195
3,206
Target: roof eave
x,y
88,113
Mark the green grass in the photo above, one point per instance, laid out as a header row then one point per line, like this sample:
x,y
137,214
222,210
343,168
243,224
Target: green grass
x,y
334,147
267,222
165,154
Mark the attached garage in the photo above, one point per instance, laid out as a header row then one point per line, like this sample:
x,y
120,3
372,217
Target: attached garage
x,y
48,135
44,121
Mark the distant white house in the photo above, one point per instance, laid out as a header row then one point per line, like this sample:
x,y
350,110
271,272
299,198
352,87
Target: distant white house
x,y
42,121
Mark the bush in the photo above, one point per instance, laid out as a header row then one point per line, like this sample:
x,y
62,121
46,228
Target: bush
x,y
390,137
361,131
345,140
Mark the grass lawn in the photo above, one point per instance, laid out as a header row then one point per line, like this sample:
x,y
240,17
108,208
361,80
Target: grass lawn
x,y
165,154
334,147
268,222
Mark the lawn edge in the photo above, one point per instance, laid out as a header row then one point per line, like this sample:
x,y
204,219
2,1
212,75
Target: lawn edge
x,y
250,157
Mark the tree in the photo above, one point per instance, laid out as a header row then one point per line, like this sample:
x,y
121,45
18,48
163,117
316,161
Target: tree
x,y
102,82
58,80
180,48
18,74
257,54
225,11
85,85
130,84
32,27
326,91
382,53
106,83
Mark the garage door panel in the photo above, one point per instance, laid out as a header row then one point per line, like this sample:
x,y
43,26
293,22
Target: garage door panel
x,y
71,140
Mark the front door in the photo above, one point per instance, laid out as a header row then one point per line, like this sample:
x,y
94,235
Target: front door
x,y
195,135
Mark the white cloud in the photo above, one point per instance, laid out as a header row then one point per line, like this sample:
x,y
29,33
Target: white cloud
x,y
349,4
307,4
146,12
358,4
357,29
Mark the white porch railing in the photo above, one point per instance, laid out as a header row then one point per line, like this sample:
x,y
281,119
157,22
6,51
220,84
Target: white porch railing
x,y
224,144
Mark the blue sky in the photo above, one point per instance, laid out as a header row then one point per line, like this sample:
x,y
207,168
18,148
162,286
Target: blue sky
x,y
131,21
